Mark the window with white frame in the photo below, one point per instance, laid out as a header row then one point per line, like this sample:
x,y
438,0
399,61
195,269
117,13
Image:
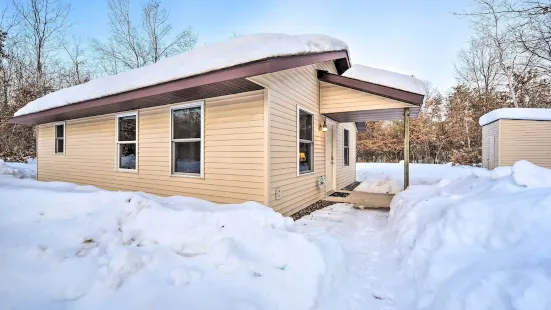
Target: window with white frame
x,y
127,137
346,147
187,139
305,141
60,138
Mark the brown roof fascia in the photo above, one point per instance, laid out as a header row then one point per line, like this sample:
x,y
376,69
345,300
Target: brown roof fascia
x,y
375,89
232,73
372,115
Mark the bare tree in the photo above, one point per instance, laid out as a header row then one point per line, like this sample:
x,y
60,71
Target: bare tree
x,y
157,27
130,47
477,67
42,24
78,71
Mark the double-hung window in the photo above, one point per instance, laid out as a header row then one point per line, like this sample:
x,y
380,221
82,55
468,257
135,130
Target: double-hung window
x,y
346,147
305,141
127,137
60,138
187,139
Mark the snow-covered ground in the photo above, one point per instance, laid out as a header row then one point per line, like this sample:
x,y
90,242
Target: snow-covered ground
x,y
19,170
473,240
389,177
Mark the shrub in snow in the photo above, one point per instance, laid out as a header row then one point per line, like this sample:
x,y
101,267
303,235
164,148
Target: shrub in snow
x,y
477,242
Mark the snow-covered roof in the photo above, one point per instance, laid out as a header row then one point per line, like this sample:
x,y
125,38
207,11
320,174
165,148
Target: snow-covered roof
x,y
201,60
386,78
534,114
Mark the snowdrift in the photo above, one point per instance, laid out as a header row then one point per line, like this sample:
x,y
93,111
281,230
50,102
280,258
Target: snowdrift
x,y
477,242
19,170
65,246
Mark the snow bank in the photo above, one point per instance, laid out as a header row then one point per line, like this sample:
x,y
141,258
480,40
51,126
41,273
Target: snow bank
x,y
479,241
72,247
200,60
386,78
389,177
534,114
19,170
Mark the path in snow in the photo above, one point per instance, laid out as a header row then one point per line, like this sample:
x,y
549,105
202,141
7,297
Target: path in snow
x,y
359,233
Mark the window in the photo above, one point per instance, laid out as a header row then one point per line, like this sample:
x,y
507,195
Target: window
x,y
346,148
187,139
305,142
60,138
127,137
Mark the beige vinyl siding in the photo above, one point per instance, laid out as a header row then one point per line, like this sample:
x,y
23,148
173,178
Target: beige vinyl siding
x,y
233,152
346,174
287,90
336,98
490,145
525,139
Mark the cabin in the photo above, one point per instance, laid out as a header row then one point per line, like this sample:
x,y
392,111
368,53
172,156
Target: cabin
x,y
270,118
513,134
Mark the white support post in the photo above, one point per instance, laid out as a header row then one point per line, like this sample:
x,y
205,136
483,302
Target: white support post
x,y
406,148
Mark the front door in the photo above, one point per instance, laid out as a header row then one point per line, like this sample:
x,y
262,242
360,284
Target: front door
x,y
330,158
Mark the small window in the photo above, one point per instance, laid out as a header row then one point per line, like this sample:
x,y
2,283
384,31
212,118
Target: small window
x,y
187,139
346,148
127,137
60,138
305,142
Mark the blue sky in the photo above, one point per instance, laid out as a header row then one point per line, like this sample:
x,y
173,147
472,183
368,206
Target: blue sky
x,y
419,37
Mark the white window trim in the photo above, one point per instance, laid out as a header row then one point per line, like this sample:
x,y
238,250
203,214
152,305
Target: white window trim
x,y
117,142
171,172
64,138
345,147
312,171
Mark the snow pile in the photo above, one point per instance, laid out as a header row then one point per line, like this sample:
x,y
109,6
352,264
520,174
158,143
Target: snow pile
x,y
19,170
534,114
200,60
477,242
389,177
386,78
77,247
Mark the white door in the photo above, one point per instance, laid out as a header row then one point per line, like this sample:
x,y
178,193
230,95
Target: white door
x,y
330,158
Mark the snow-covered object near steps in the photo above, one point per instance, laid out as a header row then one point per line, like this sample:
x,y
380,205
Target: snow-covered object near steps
x,y
200,60
77,247
533,114
477,242
386,78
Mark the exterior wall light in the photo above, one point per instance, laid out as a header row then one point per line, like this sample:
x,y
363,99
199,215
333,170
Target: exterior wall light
x,y
324,127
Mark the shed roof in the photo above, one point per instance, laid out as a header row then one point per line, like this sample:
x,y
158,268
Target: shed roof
x,y
534,114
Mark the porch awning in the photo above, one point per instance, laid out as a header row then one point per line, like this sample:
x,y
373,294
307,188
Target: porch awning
x,y
347,99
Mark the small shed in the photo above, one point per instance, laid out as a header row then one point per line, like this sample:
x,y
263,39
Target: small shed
x,y
513,134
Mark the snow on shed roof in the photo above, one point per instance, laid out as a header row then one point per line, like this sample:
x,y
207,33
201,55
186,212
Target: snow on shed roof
x,y
534,114
201,60
386,78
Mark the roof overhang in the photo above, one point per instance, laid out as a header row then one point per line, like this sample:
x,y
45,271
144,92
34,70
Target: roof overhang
x,y
375,89
358,115
222,82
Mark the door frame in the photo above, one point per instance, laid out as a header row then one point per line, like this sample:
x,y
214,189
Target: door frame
x,y
331,164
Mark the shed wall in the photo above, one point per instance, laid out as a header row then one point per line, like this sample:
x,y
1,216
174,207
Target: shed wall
x,y
490,145
525,139
233,147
